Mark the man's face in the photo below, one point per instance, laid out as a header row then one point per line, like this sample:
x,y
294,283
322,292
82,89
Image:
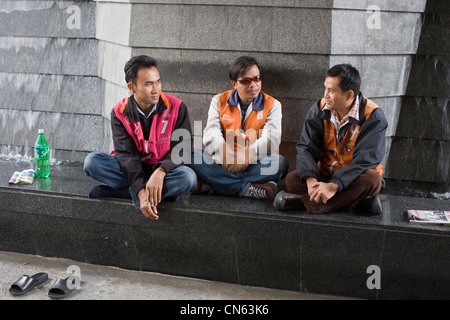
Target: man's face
x,y
249,84
147,87
336,99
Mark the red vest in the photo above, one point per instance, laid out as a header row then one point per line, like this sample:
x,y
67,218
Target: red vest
x,y
336,156
163,124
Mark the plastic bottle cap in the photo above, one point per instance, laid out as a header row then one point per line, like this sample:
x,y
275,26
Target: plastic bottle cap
x,y
41,131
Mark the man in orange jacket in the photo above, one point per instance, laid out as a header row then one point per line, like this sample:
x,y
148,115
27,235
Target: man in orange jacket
x,y
340,151
241,139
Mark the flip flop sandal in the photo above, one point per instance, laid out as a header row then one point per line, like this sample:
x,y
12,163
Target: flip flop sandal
x,y
60,289
26,283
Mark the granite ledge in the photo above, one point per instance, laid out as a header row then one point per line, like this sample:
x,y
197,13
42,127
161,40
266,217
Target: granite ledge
x,y
69,183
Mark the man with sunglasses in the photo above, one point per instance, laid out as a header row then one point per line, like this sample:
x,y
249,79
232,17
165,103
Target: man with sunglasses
x,y
241,138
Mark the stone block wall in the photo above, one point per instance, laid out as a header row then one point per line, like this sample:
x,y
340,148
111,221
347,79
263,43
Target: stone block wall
x,y
420,151
49,77
195,41
379,45
296,43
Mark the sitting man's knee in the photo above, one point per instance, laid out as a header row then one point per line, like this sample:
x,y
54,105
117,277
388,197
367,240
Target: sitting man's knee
x,y
373,180
189,177
89,162
293,182
275,165
284,166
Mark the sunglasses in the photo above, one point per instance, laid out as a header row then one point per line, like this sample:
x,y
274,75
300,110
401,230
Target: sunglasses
x,y
247,81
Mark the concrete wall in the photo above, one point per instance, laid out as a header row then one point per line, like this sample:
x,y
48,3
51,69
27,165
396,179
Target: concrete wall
x,y
195,41
420,152
296,42
49,77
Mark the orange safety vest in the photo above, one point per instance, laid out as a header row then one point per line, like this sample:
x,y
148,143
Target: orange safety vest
x,y
337,156
230,116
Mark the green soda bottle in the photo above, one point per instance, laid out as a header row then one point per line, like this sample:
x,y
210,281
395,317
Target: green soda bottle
x,y
42,156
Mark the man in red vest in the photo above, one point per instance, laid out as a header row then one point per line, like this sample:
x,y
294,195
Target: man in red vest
x,y
241,139
141,165
340,151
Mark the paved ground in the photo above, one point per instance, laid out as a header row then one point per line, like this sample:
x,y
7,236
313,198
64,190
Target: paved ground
x,y
110,283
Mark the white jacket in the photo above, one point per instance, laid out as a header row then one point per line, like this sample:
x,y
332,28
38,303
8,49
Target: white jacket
x,y
268,143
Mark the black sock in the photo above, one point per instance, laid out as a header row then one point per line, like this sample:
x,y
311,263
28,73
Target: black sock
x,y
103,191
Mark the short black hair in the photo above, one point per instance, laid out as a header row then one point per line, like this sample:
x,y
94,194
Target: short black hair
x,y
240,65
349,78
135,64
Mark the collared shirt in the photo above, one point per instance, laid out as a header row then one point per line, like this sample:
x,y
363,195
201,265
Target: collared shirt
x,y
354,113
244,107
143,114
257,104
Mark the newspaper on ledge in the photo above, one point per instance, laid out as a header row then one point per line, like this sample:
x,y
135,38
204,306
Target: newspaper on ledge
x,y
429,216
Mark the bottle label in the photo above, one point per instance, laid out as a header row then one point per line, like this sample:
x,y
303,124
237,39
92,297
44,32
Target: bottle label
x,y
41,152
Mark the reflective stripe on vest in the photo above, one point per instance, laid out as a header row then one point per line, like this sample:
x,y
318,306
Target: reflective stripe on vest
x,y
163,124
337,156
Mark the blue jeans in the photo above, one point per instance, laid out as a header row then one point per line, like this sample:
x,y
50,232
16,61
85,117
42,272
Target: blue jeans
x,y
270,168
106,169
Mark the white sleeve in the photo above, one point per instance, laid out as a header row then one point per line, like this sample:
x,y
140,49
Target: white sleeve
x,y
212,135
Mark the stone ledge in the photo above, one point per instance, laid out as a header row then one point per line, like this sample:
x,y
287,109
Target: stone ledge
x,y
233,240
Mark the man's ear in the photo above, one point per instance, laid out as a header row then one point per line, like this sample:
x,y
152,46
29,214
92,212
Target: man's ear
x,y
233,83
130,86
350,95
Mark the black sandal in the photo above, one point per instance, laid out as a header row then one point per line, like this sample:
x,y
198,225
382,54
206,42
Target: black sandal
x,y
26,283
61,288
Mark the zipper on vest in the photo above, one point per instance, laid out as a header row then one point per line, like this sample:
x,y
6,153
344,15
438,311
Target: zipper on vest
x,y
146,146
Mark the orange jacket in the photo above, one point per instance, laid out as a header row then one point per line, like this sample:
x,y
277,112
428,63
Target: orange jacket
x,y
336,156
361,147
230,115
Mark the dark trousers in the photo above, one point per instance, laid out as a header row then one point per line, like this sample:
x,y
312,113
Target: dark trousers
x,y
368,184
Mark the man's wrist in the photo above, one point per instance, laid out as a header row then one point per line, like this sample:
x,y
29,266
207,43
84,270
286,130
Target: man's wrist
x,y
310,180
334,186
161,169
140,193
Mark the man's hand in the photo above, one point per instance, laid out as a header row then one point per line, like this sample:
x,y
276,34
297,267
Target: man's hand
x,y
227,153
242,156
146,208
310,182
321,192
155,185
238,151
150,197
236,168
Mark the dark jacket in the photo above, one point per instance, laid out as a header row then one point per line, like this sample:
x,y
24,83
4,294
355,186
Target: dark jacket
x,y
370,146
125,148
